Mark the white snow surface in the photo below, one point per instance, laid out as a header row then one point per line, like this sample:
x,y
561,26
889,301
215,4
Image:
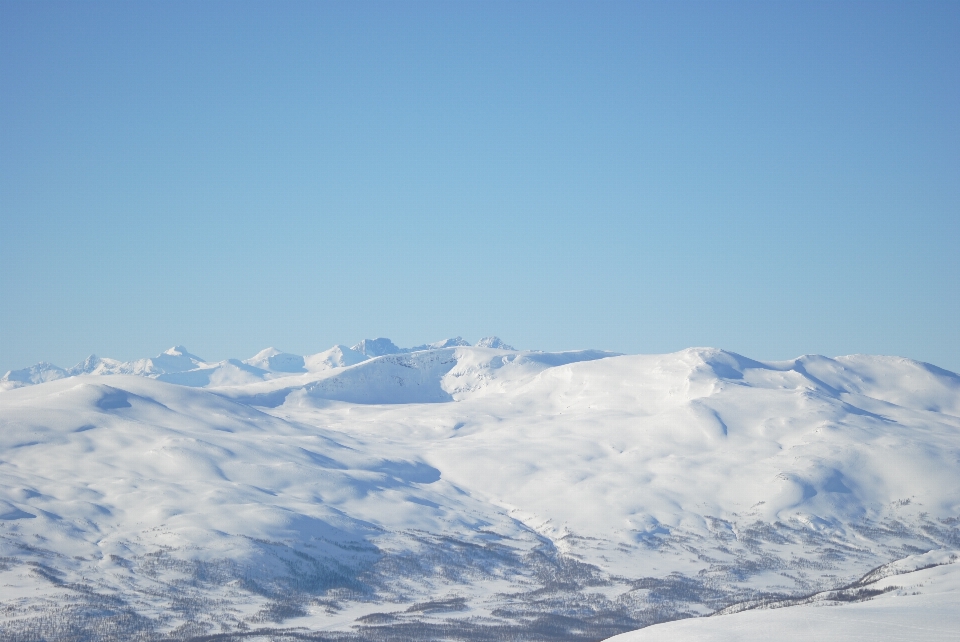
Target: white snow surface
x,y
915,605
328,491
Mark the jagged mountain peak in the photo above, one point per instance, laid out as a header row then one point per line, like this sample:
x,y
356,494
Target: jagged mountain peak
x,y
87,364
493,342
376,347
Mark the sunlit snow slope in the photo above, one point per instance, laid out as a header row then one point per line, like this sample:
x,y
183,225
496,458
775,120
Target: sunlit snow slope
x,y
908,607
458,492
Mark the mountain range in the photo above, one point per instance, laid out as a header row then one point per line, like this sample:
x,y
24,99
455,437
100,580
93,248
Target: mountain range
x,y
177,365
450,491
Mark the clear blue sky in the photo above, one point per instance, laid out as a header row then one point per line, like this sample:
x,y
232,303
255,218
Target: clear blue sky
x,y
773,178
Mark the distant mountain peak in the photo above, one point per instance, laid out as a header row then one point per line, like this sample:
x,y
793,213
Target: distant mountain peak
x,y
39,373
455,342
376,347
336,357
89,362
178,351
275,360
265,353
86,366
493,342
382,346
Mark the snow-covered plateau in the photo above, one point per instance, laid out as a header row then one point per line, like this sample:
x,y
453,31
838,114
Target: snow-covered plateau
x,y
458,492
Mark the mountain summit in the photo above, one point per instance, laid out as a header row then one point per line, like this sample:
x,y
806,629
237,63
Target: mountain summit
x,y
376,347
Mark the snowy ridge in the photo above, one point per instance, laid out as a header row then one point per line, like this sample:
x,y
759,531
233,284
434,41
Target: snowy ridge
x,y
571,495
177,365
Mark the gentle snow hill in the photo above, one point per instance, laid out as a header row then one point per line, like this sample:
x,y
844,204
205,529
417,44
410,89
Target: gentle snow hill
x,y
339,356
712,439
911,606
276,361
425,376
571,495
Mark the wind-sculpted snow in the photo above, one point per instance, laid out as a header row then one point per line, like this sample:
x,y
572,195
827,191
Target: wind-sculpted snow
x,y
461,492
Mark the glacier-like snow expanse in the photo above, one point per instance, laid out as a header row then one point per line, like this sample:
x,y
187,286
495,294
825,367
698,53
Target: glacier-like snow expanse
x,y
452,492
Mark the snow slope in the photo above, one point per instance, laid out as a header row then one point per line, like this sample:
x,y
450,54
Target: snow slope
x,y
536,495
916,605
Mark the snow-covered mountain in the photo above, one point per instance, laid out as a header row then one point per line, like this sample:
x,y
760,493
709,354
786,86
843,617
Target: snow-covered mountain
x,y
273,360
174,361
462,492
177,365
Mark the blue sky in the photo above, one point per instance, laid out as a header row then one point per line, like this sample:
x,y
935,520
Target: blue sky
x,y
773,178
